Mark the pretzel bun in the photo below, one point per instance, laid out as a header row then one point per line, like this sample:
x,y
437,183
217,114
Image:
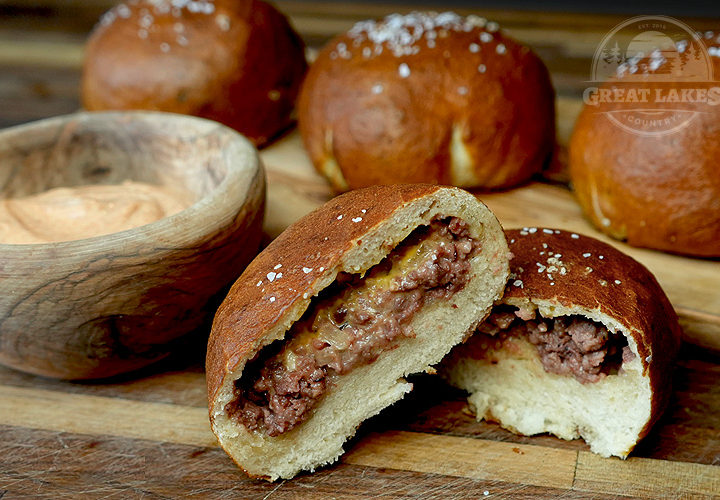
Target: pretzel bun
x,y
296,275
237,62
427,97
603,368
660,192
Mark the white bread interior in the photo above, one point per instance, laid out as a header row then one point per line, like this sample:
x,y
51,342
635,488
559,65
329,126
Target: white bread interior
x,y
368,389
519,394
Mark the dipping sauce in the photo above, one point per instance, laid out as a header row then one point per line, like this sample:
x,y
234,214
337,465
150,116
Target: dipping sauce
x,y
73,213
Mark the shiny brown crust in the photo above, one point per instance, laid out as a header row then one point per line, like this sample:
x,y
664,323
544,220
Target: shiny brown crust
x,y
240,65
656,192
313,244
505,115
600,277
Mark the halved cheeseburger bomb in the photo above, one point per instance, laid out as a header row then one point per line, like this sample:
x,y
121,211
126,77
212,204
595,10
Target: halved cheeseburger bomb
x,y
427,97
319,332
581,344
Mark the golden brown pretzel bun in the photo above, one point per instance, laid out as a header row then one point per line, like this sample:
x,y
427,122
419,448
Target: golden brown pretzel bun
x,y
558,274
351,233
238,62
430,97
660,192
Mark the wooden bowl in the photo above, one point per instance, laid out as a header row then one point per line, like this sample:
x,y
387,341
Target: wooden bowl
x,y
101,306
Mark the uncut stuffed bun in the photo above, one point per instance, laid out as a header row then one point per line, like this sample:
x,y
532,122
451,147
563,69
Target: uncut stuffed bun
x,y
581,345
238,62
319,332
427,97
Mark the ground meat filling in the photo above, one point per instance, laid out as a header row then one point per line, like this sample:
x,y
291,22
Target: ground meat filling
x,y
350,324
568,345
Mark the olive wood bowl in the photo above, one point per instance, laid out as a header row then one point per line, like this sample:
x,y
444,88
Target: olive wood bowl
x,y
105,305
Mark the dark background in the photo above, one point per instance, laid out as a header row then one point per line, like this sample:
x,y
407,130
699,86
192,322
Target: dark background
x,y
692,8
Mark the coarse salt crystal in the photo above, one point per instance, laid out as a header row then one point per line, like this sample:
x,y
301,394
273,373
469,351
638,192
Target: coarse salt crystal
x,y
271,276
259,283
600,257
518,283
357,219
306,270
547,231
574,236
339,217
482,68
586,255
474,48
278,266
501,49
462,90
403,70
485,37
272,299
617,282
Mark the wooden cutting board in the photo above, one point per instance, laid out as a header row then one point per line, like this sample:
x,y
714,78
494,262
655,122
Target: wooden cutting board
x,y
147,435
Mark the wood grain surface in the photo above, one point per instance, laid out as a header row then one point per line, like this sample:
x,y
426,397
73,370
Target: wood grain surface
x,y
147,435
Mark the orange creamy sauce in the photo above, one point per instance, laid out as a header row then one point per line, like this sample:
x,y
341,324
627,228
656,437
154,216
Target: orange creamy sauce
x,y
73,213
